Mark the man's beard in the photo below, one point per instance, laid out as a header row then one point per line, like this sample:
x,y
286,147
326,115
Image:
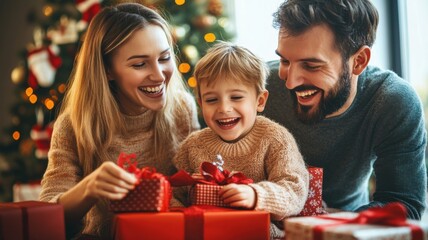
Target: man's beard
x,y
328,104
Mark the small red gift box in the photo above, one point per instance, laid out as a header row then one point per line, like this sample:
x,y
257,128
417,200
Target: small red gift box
x,y
203,194
31,220
380,223
313,205
205,191
152,193
216,223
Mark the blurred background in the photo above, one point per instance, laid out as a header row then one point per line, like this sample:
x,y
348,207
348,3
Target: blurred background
x,y
40,38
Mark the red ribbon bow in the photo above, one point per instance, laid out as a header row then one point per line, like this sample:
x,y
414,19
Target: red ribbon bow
x,y
212,175
392,214
129,163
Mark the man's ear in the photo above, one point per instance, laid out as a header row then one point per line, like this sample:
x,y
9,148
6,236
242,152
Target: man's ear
x,y
261,100
361,60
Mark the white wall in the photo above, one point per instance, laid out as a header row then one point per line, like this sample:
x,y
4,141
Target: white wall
x,y
254,30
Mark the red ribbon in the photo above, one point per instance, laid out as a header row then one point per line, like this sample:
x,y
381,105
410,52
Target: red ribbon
x,y
194,220
392,214
212,176
129,163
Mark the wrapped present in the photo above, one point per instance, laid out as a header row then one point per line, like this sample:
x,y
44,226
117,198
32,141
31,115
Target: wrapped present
x,y
380,223
193,223
205,190
313,205
31,220
203,194
26,191
151,194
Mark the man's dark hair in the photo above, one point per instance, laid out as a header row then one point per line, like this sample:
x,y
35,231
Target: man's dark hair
x,y
353,22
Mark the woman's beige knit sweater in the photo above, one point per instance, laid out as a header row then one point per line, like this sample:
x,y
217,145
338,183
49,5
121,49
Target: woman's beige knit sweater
x,y
268,154
64,170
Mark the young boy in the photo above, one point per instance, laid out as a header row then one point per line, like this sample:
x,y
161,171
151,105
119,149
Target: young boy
x,y
231,91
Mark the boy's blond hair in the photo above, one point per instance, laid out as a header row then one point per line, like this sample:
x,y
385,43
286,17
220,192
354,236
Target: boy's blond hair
x,y
229,61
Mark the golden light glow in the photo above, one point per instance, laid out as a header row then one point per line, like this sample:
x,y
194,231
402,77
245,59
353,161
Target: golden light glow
x,y
184,67
192,82
29,91
180,2
49,103
47,10
209,37
224,22
33,99
61,88
16,135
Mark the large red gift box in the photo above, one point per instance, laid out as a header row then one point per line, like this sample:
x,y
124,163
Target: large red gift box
x,y
380,223
151,194
313,205
217,223
31,220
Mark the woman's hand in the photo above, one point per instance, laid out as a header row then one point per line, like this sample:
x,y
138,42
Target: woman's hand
x,y
109,181
238,195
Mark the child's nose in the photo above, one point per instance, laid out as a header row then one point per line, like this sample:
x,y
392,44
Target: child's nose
x,y
225,107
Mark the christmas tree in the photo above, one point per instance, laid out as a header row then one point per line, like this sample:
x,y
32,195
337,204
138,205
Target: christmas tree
x,y
41,77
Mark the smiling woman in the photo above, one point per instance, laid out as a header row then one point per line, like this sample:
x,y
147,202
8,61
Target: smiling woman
x,y
125,95
140,74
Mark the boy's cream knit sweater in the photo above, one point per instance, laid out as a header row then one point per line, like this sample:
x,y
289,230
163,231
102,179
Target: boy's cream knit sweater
x,y
268,154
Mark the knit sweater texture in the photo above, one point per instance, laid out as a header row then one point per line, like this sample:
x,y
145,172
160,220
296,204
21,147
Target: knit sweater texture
x,y
268,154
64,170
382,131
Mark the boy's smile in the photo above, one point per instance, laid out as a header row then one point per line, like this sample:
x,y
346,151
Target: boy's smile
x,y
229,107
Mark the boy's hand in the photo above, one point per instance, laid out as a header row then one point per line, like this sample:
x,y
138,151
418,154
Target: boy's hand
x,y
238,195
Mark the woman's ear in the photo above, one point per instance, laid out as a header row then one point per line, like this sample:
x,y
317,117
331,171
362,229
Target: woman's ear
x,y
261,100
361,60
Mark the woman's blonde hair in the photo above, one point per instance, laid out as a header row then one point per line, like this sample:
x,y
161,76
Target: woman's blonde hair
x,y
230,61
90,99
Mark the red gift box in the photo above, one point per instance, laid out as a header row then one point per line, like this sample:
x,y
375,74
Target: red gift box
x,y
313,205
217,223
31,220
152,193
205,191
203,194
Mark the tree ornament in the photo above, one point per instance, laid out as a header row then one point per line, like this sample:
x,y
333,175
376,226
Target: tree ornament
x,y
65,32
26,147
18,74
41,135
43,63
191,52
215,7
88,8
204,21
179,32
